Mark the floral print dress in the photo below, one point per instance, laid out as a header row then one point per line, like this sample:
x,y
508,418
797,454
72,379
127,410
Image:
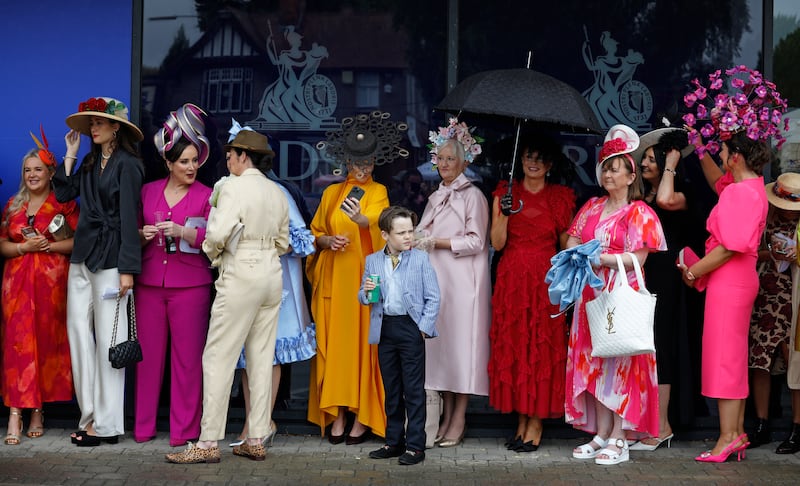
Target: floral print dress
x,y
628,386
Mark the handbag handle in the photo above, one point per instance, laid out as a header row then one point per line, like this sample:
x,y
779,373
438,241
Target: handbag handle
x,y
131,321
620,280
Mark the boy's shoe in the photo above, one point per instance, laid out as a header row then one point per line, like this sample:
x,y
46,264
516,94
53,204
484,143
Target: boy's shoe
x,y
386,452
409,457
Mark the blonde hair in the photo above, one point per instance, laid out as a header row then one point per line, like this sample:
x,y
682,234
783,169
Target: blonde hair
x,y
23,195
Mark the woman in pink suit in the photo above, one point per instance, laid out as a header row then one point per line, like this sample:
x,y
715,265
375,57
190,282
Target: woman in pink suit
x,y
174,289
735,225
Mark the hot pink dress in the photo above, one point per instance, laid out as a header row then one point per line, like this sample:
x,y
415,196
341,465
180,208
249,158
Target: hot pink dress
x,y
626,385
736,223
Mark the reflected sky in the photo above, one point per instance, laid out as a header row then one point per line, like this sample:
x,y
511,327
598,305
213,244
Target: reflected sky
x,y
158,35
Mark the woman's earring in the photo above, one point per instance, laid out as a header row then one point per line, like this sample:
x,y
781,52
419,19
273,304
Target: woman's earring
x,y
547,174
115,133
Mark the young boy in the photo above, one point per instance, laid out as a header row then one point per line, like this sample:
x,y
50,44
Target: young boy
x,y
403,316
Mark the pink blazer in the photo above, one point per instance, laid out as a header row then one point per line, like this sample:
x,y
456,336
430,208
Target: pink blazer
x,y
176,270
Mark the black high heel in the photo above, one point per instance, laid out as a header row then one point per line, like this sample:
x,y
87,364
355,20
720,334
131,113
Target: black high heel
x,y
513,442
527,447
87,440
792,443
761,435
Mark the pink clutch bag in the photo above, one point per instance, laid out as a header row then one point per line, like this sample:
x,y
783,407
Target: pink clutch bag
x,y
688,257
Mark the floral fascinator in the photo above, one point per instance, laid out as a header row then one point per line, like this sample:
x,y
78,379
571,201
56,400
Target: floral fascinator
x,y
186,121
620,140
459,131
741,99
373,137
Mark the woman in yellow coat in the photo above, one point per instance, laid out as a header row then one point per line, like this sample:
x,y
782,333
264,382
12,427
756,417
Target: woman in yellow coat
x,y
344,373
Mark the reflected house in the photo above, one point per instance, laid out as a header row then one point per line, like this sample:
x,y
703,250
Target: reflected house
x,y
294,82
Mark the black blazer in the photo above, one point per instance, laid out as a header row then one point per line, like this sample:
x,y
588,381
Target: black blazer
x,y
107,235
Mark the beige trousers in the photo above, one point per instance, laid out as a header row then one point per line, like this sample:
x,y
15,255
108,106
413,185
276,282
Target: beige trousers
x,y
244,313
99,388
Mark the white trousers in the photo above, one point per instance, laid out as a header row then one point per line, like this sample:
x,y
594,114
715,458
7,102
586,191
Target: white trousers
x,y
99,388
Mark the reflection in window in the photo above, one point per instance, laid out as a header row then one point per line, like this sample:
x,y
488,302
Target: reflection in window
x,y
367,90
228,89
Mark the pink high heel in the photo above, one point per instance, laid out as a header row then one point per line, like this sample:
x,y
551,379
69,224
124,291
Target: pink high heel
x,y
739,446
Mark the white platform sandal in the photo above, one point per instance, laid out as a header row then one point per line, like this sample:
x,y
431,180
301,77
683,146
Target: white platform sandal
x,y
586,451
613,457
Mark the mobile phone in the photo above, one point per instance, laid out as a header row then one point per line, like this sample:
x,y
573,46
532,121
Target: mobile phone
x,y
355,192
28,232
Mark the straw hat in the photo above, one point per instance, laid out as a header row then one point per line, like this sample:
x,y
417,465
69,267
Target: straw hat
x,y
252,141
784,193
110,108
620,140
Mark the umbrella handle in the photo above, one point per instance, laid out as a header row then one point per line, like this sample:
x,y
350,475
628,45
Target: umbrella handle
x,y
507,204
515,211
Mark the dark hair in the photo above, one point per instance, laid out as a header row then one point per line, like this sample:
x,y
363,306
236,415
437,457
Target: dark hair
x,y
262,162
388,215
173,154
123,139
660,155
636,189
756,153
550,151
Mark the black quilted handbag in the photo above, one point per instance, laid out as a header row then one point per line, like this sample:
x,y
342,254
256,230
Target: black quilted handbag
x,y
128,352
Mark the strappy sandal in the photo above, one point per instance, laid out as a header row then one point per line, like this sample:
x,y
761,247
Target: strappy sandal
x,y
586,451
13,439
35,431
613,457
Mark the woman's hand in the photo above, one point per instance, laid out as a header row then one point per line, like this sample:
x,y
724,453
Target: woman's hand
x,y
687,276
333,242
352,208
73,141
170,228
149,232
35,244
426,243
125,283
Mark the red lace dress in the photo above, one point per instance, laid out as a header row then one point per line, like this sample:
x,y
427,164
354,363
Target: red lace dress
x,y
528,347
36,360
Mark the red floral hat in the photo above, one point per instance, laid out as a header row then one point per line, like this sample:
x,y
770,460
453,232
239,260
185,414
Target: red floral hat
x,y
620,140
110,108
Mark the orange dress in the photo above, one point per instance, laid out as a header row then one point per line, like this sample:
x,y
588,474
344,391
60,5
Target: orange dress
x,y
36,361
345,370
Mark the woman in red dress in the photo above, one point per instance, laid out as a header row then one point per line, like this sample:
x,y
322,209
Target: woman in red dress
x,y
529,347
36,360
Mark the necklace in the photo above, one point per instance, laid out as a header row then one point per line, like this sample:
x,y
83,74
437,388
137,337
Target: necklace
x,y
105,157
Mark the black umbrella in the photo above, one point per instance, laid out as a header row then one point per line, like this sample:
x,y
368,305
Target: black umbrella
x,y
524,95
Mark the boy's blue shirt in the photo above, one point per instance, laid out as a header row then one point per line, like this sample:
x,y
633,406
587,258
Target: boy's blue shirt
x,y
420,290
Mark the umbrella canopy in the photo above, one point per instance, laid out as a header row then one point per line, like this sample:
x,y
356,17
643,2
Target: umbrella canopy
x,y
571,271
523,94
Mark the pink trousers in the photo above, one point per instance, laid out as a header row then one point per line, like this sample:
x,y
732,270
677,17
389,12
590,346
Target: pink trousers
x,y
179,316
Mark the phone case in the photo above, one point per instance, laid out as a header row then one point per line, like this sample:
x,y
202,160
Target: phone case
x,y
356,192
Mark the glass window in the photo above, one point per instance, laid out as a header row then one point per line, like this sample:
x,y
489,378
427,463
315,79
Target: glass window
x,y
227,89
367,90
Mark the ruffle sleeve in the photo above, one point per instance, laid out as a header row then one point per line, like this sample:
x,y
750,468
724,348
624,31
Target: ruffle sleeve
x,y
576,228
302,241
739,220
501,189
644,229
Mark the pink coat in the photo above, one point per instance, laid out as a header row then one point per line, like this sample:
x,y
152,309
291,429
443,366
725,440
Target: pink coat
x,y
457,360
176,270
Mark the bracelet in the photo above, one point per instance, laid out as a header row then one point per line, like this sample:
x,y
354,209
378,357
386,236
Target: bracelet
x,y
671,171
182,227
69,157
690,276
19,249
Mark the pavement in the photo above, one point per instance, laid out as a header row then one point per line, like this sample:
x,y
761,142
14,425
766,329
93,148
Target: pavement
x,y
308,459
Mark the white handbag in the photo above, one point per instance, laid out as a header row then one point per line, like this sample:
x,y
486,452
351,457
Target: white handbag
x,y
621,320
